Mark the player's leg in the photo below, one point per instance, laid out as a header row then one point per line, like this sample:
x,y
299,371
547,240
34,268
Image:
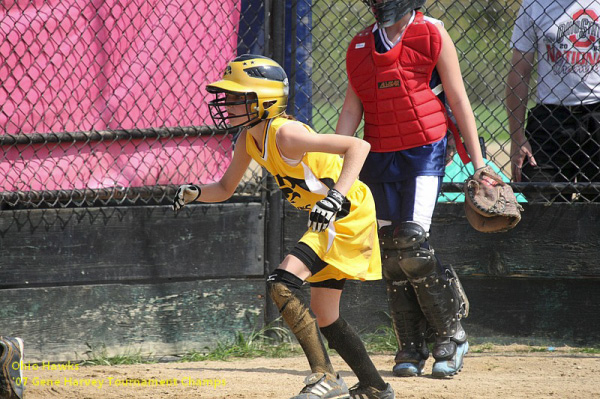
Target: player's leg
x,y
284,287
437,288
408,320
325,302
440,297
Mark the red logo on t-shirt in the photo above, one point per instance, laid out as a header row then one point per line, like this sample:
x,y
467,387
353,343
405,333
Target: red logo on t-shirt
x,y
582,38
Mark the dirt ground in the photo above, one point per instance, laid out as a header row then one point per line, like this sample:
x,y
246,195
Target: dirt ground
x,y
503,373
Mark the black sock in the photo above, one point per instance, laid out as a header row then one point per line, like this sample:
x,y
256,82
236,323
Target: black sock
x,y
342,337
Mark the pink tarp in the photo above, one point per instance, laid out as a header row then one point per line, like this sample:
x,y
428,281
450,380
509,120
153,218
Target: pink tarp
x,y
100,165
67,66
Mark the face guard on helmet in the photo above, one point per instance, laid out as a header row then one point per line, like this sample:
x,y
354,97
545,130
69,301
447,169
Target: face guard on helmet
x,y
257,82
388,12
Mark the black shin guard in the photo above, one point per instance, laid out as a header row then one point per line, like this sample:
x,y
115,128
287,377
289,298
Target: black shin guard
x,y
342,337
284,289
437,288
409,322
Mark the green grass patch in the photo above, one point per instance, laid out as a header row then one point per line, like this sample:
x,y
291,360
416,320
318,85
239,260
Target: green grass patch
x,y
100,357
591,351
487,347
382,340
269,341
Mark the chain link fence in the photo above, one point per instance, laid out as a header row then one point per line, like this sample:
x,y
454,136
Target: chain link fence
x,y
104,102
567,151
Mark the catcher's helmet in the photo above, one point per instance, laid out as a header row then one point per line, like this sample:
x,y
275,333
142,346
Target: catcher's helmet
x,y
260,82
388,12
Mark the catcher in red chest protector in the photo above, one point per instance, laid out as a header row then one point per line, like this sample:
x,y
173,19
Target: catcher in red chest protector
x,y
402,71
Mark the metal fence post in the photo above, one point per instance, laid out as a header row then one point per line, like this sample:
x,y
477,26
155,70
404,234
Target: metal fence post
x,y
274,199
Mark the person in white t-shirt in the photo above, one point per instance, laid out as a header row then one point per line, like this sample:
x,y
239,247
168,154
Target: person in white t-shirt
x,y
561,139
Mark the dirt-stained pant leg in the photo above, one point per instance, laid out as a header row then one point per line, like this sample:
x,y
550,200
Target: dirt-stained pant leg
x,y
284,289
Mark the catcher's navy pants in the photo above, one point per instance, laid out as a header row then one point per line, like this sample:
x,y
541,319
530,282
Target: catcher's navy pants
x,y
410,200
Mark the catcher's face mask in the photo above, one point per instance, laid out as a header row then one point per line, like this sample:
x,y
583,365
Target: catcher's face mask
x,y
388,12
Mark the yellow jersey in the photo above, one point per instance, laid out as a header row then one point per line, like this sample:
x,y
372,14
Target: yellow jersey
x,y
350,245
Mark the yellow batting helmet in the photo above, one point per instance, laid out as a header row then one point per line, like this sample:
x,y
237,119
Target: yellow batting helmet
x,y
260,82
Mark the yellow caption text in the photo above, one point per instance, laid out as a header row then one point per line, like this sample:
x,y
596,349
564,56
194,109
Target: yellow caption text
x,y
46,366
122,382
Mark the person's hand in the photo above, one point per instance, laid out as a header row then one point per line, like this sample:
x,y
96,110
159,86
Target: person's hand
x,y
185,194
324,211
518,153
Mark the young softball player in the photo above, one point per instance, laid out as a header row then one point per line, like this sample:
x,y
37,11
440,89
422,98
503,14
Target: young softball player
x,y
317,174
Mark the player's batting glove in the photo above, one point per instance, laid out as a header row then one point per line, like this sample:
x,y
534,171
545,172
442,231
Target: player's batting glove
x,y
185,194
325,210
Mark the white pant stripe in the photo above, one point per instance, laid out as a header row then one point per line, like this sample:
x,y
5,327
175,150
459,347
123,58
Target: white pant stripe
x,y
426,188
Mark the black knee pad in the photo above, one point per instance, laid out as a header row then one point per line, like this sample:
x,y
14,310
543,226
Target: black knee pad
x,y
283,276
282,285
418,263
406,252
403,235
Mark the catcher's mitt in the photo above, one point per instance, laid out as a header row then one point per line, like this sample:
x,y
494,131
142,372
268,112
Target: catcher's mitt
x,y
490,203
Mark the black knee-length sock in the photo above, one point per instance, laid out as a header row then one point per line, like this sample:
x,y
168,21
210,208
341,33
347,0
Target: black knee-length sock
x,y
342,337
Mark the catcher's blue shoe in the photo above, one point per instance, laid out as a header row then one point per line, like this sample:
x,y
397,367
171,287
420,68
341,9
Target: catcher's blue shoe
x,y
409,369
323,386
449,358
409,363
11,361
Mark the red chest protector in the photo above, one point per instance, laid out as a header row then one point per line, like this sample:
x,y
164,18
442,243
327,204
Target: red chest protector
x,y
400,110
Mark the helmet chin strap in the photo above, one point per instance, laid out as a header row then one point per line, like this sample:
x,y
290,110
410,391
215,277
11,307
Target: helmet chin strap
x,y
257,120
252,124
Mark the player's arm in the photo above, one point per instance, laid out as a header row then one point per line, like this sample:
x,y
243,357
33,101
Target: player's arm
x,y
449,69
517,94
351,114
293,142
222,189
